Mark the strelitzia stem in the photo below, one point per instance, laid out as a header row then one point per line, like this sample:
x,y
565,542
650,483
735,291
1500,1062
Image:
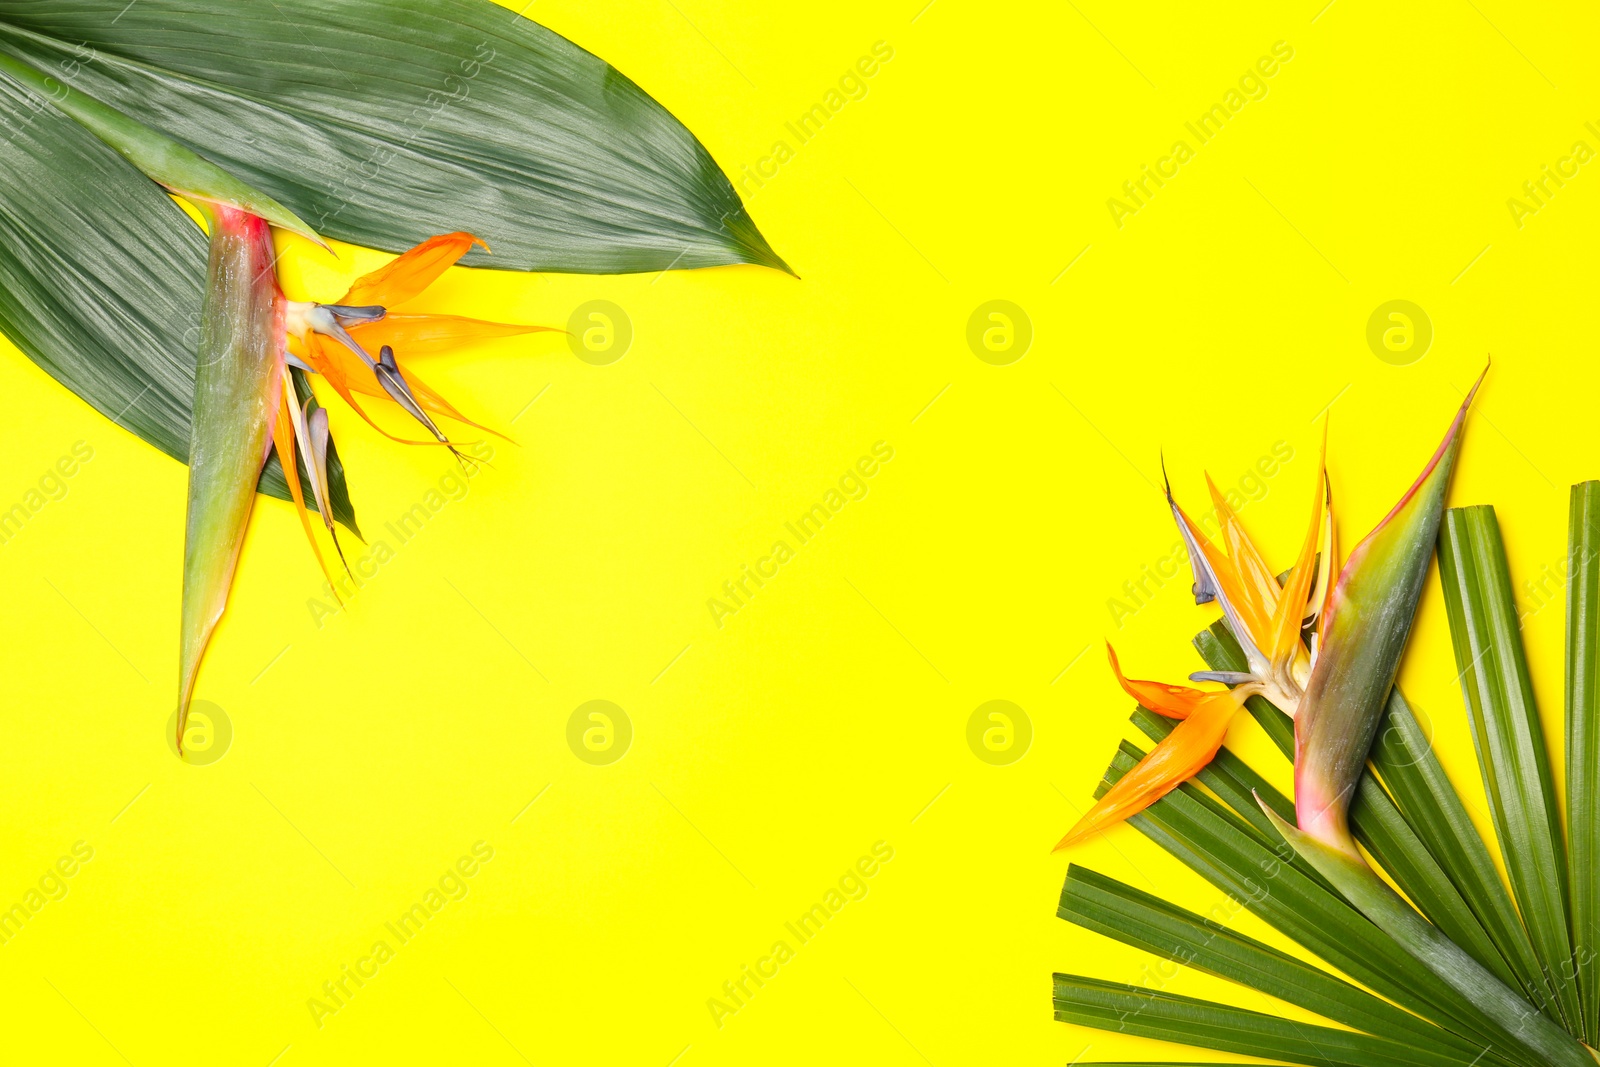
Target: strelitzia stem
x,y
238,381
1362,886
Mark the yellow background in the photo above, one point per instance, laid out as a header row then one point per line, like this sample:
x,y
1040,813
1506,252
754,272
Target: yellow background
x,y
830,712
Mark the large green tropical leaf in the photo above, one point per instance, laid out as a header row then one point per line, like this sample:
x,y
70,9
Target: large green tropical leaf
x,y
1420,834
1136,918
159,157
1583,743
100,279
1170,1017
1272,882
1497,688
382,122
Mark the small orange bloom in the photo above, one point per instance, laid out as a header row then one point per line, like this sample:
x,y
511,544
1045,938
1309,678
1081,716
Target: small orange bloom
x,y
338,341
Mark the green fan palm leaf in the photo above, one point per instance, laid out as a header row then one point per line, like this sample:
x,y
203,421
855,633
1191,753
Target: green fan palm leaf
x,y
1268,879
1498,691
1583,744
1470,902
1534,1000
1136,918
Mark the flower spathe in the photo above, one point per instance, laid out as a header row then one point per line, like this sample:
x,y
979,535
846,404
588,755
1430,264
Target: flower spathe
x,y
1369,614
239,379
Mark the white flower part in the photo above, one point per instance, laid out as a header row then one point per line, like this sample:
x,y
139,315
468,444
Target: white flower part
x,y
296,317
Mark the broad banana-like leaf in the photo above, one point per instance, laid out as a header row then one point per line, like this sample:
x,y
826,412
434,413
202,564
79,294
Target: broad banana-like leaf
x,y
156,155
100,279
382,122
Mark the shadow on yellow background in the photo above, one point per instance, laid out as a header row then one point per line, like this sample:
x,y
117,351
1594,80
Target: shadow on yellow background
x,y
730,716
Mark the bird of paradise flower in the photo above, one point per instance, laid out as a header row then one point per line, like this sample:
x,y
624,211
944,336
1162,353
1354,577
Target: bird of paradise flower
x,y
1269,620
245,401
251,335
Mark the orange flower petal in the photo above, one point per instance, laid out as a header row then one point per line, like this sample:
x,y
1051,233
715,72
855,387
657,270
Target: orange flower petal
x,y
1253,612
1291,610
411,273
1180,756
1255,577
329,359
1173,701
427,335
343,368
1328,568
